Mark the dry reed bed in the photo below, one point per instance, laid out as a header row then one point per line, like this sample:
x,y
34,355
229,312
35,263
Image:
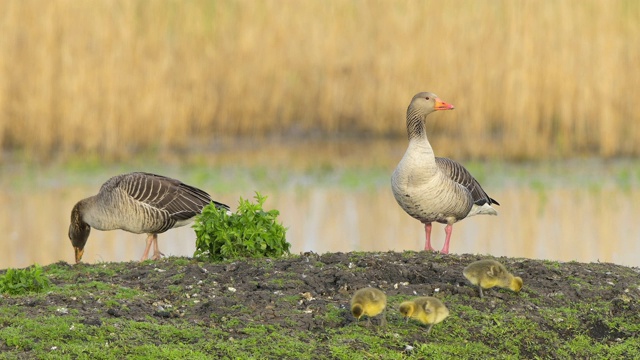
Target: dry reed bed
x,y
530,79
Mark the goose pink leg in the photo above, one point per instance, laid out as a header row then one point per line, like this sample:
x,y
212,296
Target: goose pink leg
x,y
156,250
427,245
448,229
427,231
152,239
145,254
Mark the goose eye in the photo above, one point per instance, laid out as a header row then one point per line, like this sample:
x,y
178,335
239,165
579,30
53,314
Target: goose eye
x,y
427,98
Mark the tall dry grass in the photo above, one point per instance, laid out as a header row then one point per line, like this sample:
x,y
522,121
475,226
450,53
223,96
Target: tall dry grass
x,y
530,79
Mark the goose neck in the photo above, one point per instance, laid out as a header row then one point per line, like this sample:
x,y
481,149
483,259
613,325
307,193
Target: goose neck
x,y
416,126
86,211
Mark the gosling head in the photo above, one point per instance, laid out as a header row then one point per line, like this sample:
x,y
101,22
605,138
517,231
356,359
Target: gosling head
x,y
516,284
78,231
406,309
357,310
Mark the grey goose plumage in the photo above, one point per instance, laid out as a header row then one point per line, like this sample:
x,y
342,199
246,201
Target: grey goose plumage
x,y
431,188
139,203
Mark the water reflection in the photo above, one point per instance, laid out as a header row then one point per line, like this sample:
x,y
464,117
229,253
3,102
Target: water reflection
x,y
560,223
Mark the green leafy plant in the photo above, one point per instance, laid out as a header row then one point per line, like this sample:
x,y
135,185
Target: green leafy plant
x,y
21,281
250,232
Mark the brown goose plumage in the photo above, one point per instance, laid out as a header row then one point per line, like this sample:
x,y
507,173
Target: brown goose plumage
x,y
139,203
431,188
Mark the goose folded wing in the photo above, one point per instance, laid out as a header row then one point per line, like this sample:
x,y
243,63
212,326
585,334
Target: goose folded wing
x,y
456,172
178,200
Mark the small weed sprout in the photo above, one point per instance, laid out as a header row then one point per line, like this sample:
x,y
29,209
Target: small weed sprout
x,y
22,281
249,232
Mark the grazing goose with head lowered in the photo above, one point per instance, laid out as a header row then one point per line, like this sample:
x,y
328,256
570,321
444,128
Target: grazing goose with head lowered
x,y
431,188
139,203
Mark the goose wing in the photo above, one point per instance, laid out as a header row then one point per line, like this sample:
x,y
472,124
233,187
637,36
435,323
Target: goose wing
x,y
456,172
178,200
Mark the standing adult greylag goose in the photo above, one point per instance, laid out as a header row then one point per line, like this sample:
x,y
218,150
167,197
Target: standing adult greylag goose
x,y
431,188
139,203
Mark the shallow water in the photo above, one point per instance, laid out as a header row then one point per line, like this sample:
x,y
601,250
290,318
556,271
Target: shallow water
x,y
559,214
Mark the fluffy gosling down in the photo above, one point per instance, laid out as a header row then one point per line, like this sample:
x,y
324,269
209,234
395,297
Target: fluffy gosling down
x,y
489,273
371,302
426,309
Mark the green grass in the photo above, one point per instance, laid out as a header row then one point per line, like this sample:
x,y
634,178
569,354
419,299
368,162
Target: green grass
x,y
125,338
66,336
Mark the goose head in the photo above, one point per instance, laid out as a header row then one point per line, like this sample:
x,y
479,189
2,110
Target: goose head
x,y
78,231
425,103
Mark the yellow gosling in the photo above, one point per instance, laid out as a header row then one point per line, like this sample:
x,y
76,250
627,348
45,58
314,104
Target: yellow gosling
x,y
426,309
489,273
371,302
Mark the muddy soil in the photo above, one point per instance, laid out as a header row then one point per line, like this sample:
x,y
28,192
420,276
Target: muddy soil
x,y
297,292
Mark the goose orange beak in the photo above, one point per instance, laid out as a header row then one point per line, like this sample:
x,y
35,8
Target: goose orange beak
x,y
79,253
441,105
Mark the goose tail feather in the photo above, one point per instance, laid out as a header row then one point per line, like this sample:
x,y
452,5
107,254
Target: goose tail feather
x,y
484,209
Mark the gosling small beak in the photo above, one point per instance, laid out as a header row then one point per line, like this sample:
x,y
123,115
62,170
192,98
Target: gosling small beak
x,y
441,105
79,253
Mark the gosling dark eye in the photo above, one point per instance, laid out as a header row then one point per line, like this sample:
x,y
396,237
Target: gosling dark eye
x,y
427,98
